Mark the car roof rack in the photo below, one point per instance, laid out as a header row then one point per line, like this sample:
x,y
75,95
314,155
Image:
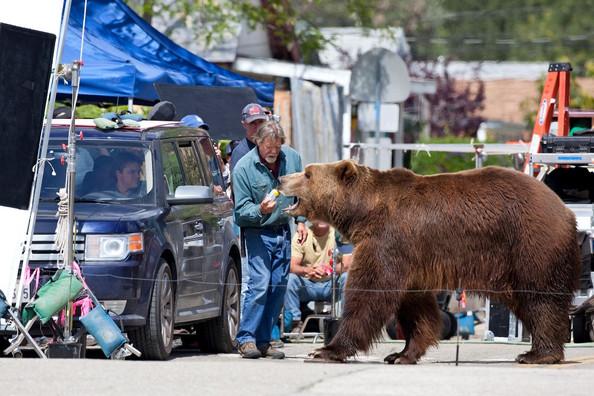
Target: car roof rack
x,y
89,123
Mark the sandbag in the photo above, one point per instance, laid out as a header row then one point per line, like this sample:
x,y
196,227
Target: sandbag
x,y
101,326
53,296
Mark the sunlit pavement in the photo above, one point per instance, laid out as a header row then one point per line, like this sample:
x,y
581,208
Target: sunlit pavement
x,y
485,368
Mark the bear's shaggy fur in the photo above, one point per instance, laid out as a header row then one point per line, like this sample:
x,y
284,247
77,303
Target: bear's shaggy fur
x,y
498,232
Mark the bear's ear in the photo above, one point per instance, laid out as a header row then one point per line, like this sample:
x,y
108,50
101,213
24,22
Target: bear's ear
x,y
346,170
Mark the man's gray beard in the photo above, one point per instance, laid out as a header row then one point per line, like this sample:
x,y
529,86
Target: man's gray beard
x,y
271,160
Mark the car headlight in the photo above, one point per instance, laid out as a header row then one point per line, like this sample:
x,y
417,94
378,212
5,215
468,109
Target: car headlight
x,y
112,247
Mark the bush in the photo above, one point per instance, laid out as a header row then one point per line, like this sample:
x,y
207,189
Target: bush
x,y
95,111
425,163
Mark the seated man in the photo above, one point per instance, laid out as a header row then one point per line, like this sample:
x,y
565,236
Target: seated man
x,y
310,277
128,168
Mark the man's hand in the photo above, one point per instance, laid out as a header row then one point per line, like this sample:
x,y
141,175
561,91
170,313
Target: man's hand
x,y
267,206
315,272
302,231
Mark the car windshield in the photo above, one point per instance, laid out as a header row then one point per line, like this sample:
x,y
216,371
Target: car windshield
x,y
104,172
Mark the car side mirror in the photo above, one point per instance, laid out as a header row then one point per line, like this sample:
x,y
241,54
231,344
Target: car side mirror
x,y
191,195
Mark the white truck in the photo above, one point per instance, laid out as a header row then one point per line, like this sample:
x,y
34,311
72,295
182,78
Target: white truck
x,y
571,176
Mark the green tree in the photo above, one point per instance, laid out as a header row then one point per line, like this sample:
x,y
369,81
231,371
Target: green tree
x,y
293,36
543,30
530,30
425,163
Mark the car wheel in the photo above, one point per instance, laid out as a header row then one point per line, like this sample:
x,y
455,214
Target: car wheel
x,y
3,345
218,334
155,339
448,317
446,325
579,329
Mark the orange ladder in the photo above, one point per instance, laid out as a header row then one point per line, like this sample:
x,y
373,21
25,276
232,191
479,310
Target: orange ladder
x,y
555,92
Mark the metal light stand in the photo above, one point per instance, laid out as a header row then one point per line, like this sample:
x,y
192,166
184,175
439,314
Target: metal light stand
x,y
336,256
479,155
459,299
42,152
70,189
331,324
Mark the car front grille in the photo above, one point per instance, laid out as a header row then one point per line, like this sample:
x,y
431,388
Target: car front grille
x,y
44,250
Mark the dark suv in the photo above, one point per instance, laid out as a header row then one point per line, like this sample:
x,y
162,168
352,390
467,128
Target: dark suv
x,y
154,232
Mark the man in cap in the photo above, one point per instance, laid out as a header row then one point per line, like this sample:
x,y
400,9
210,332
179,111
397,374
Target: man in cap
x,y
252,116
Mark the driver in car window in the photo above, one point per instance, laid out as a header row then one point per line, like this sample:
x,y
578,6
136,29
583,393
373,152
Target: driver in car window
x,y
128,170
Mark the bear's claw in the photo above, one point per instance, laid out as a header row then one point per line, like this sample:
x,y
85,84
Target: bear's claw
x,y
325,355
391,358
399,358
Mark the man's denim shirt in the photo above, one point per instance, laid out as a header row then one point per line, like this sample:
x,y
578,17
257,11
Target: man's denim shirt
x,y
252,180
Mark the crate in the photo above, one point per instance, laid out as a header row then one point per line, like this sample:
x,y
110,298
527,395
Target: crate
x,y
567,144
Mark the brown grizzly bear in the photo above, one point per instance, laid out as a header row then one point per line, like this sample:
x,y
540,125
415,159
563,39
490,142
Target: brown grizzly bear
x,y
498,232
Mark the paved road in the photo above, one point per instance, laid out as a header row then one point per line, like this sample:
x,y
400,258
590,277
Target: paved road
x,y
485,369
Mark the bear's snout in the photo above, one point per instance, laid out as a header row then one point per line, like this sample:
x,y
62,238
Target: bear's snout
x,y
289,184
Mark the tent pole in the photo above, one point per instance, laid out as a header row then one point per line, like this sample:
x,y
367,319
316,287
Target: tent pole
x,y
44,142
130,105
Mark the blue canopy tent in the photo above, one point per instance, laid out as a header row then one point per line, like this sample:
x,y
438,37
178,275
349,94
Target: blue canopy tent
x,y
124,56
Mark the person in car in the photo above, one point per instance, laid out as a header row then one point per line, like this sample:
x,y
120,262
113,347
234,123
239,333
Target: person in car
x,y
128,169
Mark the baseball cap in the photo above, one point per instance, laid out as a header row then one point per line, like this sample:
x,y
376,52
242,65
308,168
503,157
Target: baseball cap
x,y
193,121
253,112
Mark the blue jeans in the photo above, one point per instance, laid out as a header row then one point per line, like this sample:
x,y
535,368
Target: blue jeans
x,y
269,257
300,290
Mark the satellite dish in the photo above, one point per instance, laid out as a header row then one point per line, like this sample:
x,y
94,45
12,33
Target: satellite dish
x,y
380,72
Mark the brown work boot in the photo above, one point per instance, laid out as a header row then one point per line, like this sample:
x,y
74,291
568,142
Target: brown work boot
x,y
248,350
269,352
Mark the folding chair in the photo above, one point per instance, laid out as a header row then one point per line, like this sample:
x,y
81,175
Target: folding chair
x,y
319,310
6,312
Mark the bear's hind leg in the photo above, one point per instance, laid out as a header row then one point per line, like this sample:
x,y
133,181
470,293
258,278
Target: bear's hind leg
x,y
546,318
420,320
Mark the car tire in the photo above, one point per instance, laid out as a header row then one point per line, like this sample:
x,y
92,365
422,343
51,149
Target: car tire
x,y
580,329
4,343
450,325
218,334
446,325
155,339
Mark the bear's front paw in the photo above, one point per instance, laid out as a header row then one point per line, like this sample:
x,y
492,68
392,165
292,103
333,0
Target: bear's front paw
x,y
326,355
532,357
391,358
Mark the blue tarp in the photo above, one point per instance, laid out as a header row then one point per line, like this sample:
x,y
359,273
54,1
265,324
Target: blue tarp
x,y
124,56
